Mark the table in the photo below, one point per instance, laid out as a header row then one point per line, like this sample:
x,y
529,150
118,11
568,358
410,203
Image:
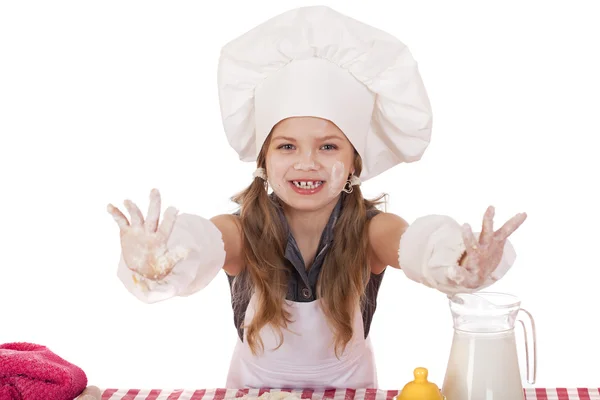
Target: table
x,y
347,394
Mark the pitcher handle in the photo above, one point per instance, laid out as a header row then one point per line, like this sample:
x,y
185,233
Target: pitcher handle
x,y
530,365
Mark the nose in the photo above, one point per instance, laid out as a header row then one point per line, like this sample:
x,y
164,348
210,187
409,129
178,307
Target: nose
x,y
306,162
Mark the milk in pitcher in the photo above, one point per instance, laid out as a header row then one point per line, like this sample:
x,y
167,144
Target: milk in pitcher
x,y
482,367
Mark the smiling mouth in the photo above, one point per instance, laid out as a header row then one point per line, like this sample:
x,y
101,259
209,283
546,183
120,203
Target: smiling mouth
x,y
307,184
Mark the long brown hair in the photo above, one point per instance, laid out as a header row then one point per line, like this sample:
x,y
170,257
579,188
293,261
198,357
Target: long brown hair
x,y
345,270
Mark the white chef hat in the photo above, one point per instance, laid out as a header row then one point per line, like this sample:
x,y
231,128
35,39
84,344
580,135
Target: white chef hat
x,y
314,61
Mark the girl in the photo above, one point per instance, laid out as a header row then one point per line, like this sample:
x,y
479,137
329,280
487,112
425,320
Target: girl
x,y
321,102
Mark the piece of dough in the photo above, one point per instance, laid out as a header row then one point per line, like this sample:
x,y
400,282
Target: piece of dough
x,y
278,395
90,393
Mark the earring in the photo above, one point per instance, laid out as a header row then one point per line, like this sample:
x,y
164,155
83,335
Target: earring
x,y
348,187
353,180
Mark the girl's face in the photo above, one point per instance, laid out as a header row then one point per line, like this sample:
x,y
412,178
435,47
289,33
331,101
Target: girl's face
x,y
308,162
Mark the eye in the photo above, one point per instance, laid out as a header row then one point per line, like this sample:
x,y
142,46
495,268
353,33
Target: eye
x,y
286,147
329,147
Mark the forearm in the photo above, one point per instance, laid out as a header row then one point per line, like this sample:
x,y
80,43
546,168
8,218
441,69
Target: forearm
x,y
431,249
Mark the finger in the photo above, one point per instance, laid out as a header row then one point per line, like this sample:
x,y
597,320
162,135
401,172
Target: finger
x,y
118,216
137,219
168,222
487,230
510,226
151,223
469,238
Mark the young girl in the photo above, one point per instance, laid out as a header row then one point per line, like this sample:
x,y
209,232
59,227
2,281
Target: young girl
x,y
321,102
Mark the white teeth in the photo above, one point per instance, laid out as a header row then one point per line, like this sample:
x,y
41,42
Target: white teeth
x,y
308,184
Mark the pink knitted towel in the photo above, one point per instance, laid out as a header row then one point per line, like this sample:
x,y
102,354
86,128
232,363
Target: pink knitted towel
x,y
32,372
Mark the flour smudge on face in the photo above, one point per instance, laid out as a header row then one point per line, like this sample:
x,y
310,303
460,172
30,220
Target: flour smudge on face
x,y
337,182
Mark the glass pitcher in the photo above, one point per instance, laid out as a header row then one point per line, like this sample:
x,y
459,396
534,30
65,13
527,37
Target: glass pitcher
x,y
483,362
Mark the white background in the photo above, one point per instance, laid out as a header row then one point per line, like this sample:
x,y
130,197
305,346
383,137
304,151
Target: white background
x,y
101,101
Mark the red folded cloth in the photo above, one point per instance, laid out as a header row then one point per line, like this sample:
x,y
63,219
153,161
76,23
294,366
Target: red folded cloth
x,y
32,372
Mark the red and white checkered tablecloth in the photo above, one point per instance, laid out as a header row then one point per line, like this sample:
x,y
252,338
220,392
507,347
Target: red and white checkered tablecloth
x,y
347,394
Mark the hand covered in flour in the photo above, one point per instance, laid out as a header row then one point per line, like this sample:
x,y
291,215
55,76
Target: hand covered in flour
x,y
144,241
483,255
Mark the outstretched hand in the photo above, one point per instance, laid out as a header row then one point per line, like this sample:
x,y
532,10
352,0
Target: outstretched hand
x,y
483,256
144,241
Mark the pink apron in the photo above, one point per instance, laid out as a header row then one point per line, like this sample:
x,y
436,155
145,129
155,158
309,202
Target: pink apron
x,y
306,359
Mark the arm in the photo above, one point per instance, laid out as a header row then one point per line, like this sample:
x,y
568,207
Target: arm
x,y
429,251
385,231
231,231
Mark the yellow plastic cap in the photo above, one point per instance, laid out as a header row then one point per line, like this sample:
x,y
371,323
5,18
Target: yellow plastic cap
x,y
420,388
